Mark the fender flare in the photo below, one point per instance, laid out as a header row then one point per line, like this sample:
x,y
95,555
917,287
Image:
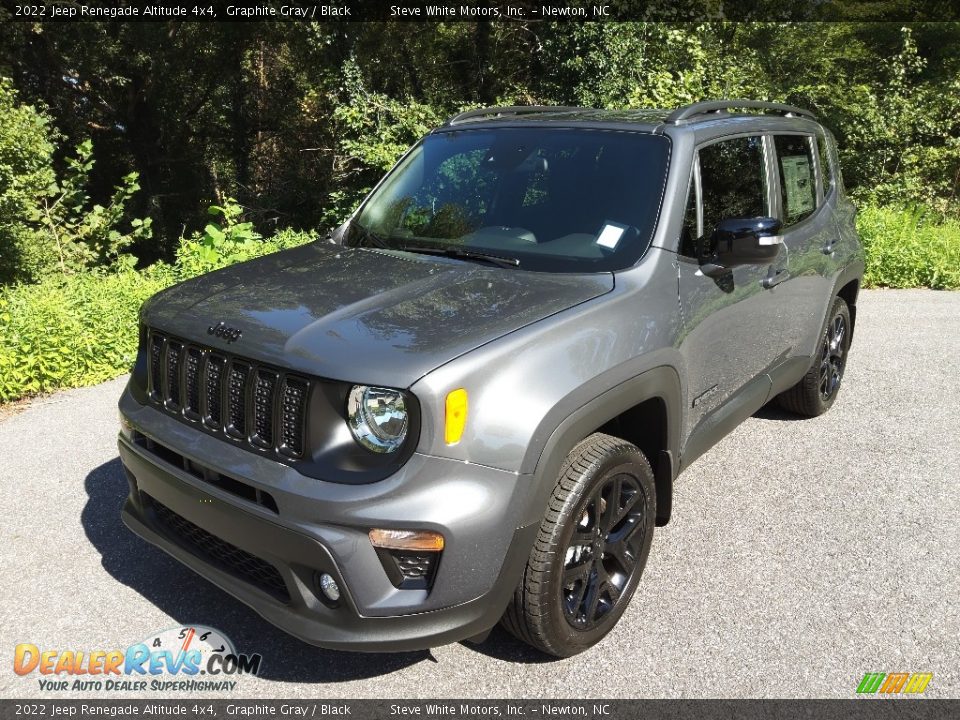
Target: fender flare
x,y
661,382
853,271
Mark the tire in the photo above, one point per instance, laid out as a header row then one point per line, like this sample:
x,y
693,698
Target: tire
x,y
817,391
602,563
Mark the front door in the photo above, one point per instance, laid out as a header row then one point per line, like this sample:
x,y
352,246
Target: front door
x,y
732,333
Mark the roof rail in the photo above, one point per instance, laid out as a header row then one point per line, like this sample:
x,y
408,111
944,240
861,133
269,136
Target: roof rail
x,y
479,113
717,106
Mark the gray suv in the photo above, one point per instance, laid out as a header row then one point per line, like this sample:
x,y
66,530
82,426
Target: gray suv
x,y
471,402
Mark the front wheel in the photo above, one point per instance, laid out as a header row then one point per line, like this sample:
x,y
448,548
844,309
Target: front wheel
x,y
590,551
817,391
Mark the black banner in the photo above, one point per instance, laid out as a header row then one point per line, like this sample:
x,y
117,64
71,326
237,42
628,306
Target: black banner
x,y
855,709
477,10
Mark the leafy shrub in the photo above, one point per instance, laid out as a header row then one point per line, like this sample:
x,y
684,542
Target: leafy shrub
x,y
26,171
76,330
71,331
79,235
49,225
909,248
229,241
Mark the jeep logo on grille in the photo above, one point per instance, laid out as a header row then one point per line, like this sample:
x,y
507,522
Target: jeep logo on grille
x,y
227,333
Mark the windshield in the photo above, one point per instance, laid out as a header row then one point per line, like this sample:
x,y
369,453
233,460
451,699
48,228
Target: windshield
x,y
556,200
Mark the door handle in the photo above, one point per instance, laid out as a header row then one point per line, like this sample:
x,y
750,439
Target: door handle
x,y
778,277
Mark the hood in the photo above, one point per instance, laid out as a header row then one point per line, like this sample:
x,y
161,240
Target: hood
x,y
363,315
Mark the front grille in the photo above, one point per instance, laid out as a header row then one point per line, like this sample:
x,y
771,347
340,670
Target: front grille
x,y
240,563
254,404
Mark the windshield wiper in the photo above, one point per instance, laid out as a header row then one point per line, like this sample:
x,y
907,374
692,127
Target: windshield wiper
x,y
464,254
370,237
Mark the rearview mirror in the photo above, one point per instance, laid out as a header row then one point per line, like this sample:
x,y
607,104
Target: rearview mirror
x,y
742,241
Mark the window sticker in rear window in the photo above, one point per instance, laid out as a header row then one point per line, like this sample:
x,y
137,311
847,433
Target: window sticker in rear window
x,y
797,184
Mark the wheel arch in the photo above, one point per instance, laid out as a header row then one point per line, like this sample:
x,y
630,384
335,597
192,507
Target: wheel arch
x,y
849,292
645,410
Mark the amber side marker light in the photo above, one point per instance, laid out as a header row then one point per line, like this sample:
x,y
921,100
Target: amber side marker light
x,y
407,540
456,419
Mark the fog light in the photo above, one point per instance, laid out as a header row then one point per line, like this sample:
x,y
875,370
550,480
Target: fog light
x,y
329,587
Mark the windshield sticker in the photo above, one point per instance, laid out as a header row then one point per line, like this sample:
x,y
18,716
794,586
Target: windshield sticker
x,y
797,184
610,236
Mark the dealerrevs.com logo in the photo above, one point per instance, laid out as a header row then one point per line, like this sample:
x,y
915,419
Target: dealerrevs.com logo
x,y
191,659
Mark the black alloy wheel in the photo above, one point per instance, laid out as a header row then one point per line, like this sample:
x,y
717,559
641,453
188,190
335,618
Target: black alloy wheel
x,y
590,550
603,551
820,386
833,355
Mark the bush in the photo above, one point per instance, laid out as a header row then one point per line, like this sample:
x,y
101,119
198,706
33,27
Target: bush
x,y
76,330
71,331
26,173
909,248
230,241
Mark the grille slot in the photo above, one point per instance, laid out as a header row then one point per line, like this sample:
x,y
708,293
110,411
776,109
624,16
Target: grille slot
x,y
191,405
263,396
236,399
174,350
156,366
208,546
214,390
291,427
251,403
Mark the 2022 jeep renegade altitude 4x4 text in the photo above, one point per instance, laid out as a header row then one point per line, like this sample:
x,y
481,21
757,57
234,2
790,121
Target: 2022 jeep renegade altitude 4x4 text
x,y
471,402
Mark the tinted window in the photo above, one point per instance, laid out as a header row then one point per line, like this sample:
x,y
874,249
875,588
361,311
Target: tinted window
x,y
798,188
556,199
733,181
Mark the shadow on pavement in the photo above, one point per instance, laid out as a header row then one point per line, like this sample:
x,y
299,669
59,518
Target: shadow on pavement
x,y
501,645
771,411
191,600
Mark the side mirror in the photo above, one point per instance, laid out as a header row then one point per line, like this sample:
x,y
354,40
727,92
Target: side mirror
x,y
742,241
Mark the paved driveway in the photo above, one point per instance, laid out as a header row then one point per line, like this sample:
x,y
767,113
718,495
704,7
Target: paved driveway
x,y
802,554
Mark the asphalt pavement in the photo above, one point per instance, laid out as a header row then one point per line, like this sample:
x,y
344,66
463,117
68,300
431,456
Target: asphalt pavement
x,y
801,555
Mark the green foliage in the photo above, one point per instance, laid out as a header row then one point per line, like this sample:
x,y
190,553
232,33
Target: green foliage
x,y
70,331
910,247
229,240
49,224
371,131
26,171
80,235
75,330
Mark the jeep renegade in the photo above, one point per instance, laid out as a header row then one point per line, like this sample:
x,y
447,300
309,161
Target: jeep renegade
x,y
471,402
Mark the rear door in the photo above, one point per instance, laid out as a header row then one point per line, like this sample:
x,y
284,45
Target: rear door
x,y
809,233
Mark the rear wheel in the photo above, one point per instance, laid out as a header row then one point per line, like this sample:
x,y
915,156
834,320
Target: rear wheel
x,y
590,551
818,389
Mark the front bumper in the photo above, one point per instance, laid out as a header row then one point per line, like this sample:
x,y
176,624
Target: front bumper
x,y
314,527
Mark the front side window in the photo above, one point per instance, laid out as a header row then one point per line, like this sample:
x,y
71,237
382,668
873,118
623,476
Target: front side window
x,y
798,188
733,181
556,200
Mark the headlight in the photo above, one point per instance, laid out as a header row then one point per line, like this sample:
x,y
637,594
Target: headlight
x,y
377,417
